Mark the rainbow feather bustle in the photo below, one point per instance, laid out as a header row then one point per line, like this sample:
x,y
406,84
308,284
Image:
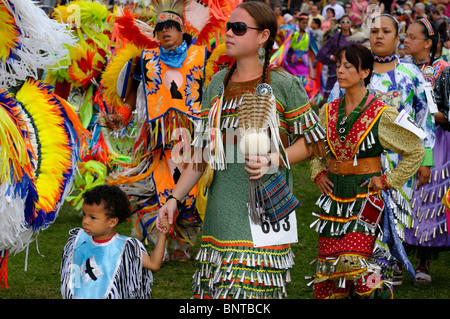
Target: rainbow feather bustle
x,y
57,153
40,138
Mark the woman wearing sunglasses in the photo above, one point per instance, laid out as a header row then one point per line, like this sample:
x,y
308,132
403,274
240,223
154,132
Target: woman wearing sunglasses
x,y
326,54
229,263
421,42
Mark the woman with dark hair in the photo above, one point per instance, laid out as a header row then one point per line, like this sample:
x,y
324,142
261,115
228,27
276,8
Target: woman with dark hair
x,y
326,54
360,127
239,257
400,84
428,234
328,22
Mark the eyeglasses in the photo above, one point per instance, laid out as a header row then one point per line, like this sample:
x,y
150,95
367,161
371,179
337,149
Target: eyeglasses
x,y
239,28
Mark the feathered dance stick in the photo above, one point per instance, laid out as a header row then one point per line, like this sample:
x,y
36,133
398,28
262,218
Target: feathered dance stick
x,y
258,123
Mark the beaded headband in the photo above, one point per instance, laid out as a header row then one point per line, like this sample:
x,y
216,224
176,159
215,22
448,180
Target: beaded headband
x,y
427,25
166,16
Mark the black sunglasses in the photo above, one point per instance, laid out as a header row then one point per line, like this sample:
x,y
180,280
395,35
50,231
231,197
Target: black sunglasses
x,y
239,28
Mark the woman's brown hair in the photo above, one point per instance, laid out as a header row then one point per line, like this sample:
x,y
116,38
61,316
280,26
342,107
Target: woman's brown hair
x,y
265,19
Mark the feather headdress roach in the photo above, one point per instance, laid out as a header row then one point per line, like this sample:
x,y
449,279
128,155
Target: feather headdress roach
x,y
159,7
127,28
205,20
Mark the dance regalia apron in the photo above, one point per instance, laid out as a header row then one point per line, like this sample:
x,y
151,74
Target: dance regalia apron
x,y
111,270
173,95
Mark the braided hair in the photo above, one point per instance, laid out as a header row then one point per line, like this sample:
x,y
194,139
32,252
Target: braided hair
x,y
265,19
443,36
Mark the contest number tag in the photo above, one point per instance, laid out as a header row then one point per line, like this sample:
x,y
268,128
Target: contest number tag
x,y
405,121
430,98
279,233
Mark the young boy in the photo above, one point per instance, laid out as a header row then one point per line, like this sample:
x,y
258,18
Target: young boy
x,y
99,263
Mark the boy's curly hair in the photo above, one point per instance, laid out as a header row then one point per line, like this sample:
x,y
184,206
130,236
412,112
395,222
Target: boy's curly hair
x,y
115,201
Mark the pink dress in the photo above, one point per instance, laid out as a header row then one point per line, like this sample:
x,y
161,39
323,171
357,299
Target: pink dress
x,y
355,10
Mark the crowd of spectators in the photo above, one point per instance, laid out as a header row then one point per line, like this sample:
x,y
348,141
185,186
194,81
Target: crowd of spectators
x,y
324,16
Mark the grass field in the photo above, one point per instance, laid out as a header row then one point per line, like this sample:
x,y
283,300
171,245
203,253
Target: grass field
x,y
41,279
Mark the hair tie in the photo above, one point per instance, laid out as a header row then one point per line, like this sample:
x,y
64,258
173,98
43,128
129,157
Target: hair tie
x,y
427,25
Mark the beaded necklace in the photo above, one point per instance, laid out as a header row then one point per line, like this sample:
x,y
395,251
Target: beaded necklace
x,y
422,64
384,59
346,122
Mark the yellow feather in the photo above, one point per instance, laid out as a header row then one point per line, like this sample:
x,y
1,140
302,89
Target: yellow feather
x,y
111,73
55,154
61,14
9,35
13,151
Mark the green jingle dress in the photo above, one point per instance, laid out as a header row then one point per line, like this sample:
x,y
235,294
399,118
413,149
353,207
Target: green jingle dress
x,y
230,266
345,264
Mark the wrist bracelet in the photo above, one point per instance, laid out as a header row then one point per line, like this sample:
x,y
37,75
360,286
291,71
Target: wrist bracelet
x,y
170,197
384,182
128,107
125,112
319,175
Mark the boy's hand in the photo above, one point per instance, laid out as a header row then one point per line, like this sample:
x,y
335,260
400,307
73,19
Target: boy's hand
x,y
164,225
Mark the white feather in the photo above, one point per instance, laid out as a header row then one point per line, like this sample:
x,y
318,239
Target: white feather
x,y
43,43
